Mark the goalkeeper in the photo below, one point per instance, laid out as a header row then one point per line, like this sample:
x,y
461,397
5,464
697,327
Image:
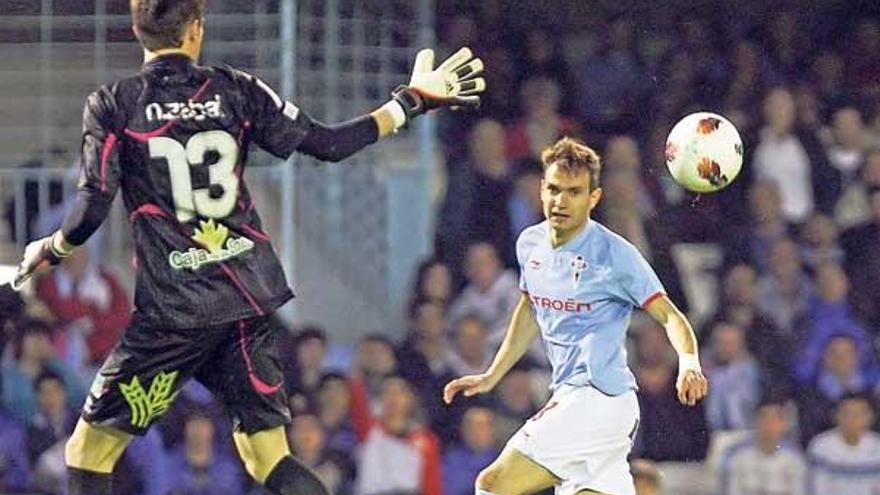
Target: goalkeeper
x,y
175,139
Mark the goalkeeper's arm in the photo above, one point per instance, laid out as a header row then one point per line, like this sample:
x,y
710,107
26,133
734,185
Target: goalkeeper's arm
x,y
98,184
454,83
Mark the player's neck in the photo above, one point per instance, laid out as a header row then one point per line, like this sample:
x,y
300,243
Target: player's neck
x,y
150,55
559,237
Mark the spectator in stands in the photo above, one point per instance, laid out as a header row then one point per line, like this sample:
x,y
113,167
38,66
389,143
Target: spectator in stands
x,y
735,378
433,283
854,206
11,312
491,293
750,76
846,459
738,305
794,160
471,349
200,466
788,45
502,104
424,358
14,467
785,290
862,247
542,57
375,361
308,444
475,207
661,412
524,207
864,57
830,315
610,82
89,302
48,432
467,458
146,462
766,225
55,418
622,155
846,143
334,412
514,401
828,72
765,462
304,376
819,241
397,453
839,375
33,356
646,477
541,124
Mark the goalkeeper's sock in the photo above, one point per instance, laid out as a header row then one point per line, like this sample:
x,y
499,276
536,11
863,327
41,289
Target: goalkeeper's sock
x,y
290,477
82,482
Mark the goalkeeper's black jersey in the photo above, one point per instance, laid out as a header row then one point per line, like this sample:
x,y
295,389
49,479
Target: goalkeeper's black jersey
x,y
175,138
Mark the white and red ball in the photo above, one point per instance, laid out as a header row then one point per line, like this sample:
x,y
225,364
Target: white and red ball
x,y
704,152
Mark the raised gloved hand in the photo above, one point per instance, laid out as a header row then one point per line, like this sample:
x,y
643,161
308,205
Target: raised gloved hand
x,y
454,83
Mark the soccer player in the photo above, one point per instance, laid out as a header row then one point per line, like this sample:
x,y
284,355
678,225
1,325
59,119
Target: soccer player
x,y
580,283
175,139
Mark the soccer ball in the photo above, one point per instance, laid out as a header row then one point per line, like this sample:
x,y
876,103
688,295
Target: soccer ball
x,y
704,152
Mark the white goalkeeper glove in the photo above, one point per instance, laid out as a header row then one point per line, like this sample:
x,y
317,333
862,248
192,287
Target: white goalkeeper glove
x,y
453,84
39,255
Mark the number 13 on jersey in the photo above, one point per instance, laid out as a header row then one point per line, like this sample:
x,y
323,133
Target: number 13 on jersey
x,y
188,201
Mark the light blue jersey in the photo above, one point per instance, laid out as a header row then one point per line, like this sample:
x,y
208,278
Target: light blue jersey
x,y
582,295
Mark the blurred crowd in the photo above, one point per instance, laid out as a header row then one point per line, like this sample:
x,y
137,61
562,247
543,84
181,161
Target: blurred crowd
x,y
790,344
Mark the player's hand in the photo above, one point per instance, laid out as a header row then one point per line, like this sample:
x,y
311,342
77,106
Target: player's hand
x,y
38,256
469,385
453,84
692,386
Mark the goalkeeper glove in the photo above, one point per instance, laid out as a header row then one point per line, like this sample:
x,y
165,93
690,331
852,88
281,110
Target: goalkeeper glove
x,y
453,84
38,255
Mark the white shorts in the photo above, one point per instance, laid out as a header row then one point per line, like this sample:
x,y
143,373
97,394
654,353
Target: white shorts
x,y
583,437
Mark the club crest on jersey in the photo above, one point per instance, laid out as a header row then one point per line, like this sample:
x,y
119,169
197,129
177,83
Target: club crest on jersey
x,y
189,110
216,246
578,264
534,264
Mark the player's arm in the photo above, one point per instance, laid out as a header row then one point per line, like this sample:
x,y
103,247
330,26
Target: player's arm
x,y
691,384
281,128
521,332
98,183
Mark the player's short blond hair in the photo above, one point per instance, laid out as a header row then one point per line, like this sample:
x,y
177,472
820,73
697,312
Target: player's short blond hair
x,y
574,157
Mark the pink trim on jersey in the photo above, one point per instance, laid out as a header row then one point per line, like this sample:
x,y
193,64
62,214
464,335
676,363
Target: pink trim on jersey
x,y
144,136
650,299
148,209
259,385
109,143
255,233
241,288
201,90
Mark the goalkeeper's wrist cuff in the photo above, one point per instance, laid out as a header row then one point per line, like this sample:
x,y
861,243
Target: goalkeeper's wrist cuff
x,y
688,362
395,110
59,247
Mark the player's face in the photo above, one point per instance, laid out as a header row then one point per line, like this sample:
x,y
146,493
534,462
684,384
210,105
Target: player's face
x,y
567,199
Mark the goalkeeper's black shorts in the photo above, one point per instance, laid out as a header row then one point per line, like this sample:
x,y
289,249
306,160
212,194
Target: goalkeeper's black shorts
x,y
238,362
